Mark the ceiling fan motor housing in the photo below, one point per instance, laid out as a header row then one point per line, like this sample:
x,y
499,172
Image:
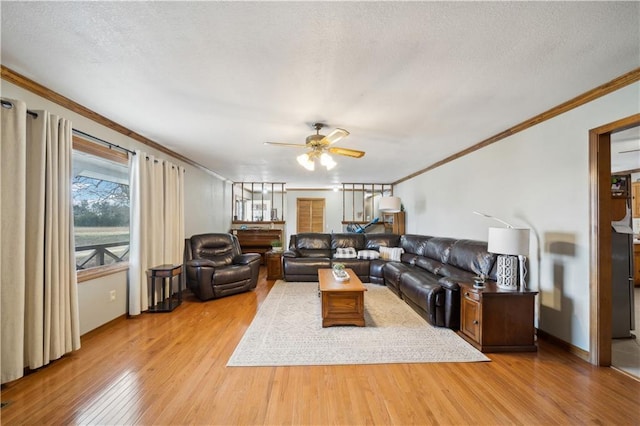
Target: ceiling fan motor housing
x,y
315,140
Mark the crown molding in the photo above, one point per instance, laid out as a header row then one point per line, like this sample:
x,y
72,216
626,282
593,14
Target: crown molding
x,y
602,90
20,80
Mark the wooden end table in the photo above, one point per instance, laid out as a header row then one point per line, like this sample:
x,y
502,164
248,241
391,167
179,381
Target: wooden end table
x,y
274,264
342,301
497,320
162,273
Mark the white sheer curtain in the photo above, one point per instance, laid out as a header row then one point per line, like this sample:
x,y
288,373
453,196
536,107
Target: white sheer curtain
x,y
38,292
157,222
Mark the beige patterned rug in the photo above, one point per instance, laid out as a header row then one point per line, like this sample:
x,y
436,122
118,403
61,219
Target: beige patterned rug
x,y
287,330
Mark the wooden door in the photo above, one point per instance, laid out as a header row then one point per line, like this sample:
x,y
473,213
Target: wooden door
x,y
310,214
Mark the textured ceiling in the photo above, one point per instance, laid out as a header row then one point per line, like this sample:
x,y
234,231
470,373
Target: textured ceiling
x,y
414,82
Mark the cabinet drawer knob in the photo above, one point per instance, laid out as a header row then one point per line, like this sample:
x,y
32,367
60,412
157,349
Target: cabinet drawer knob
x,y
475,321
467,294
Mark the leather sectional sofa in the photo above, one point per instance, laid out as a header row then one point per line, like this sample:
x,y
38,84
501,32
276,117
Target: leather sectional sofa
x,y
312,251
426,277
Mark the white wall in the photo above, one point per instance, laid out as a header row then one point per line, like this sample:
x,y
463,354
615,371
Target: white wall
x,y
207,209
538,178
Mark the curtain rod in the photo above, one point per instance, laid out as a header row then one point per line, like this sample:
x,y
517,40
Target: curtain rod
x,y
9,105
111,145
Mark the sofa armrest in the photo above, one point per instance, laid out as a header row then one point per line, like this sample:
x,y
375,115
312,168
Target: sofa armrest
x,y
199,274
291,253
449,283
252,260
246,258
196,263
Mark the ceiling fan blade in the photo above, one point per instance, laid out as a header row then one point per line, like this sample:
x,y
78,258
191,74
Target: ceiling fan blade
x,y
335,136
296,145
631,150
348,152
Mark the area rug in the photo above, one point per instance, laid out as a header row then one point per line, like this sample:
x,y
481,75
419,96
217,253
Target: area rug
x,y
287,330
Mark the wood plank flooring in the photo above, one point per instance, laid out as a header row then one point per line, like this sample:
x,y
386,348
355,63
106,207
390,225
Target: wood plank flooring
x,y
171,369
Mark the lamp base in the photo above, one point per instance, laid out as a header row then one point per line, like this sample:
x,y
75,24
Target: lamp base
x,y
508,272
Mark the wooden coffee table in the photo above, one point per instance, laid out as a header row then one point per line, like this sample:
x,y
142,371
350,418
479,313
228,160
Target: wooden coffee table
x,y
342,301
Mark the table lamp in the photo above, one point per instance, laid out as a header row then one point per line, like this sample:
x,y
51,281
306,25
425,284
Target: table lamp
x,y
389,204
512,245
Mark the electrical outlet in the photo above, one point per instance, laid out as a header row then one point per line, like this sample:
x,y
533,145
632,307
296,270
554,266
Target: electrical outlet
x,y
112,295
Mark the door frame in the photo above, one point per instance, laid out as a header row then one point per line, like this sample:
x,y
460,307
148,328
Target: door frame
x,y
600,309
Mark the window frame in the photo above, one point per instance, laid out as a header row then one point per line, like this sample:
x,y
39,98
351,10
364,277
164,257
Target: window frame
x,y
107,153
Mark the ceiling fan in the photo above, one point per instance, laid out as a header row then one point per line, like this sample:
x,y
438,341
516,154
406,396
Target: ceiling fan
x,y
320,146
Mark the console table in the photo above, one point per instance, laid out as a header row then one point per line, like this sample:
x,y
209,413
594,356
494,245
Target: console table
x,y
497,320
161,274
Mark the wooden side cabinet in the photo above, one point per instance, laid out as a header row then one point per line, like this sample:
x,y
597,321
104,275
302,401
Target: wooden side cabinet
x,y
274,265
497,320
393,222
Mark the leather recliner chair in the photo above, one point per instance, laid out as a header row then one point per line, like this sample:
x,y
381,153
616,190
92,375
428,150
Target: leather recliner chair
x,y
215,266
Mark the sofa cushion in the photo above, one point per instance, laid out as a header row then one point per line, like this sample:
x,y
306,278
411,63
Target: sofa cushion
x,y
375,241
347,240
218,248
359,267
438,248
314,245
409,258
414,244
305,265
456,274
428,264
313,241
472,256
376,270
392,272
231,274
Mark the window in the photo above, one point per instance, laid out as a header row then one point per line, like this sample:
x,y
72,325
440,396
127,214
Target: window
x,y
100,190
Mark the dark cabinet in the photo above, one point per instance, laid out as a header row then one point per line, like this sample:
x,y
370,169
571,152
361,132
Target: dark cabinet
x,y
497,320
274,265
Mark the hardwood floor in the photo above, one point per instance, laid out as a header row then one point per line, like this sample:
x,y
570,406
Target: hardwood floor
x,y
171,369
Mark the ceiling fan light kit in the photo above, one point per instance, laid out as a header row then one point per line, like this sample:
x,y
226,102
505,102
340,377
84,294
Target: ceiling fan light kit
x,y
306,162
320,146
327,161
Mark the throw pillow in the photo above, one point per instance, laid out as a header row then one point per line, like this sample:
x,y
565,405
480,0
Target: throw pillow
x,y
345,253
391,253
368,254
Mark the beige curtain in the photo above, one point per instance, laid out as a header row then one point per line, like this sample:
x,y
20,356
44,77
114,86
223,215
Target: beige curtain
x,y
40,321
157,222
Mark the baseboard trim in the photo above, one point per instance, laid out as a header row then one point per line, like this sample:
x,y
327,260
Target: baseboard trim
x,y
580,353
